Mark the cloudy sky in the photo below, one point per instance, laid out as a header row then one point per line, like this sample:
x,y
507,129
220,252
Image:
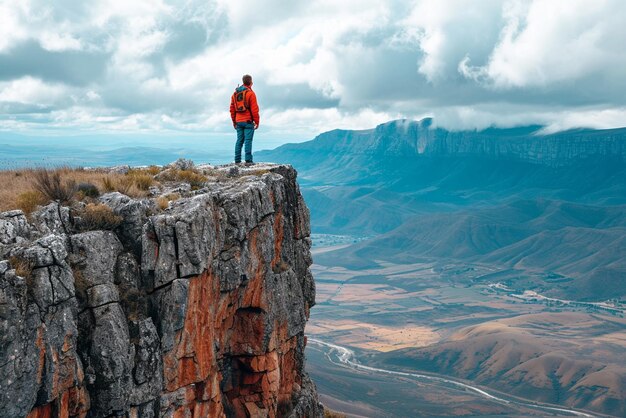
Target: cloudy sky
x,y
112,66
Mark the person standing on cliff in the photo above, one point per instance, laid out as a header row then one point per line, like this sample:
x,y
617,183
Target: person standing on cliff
x,y
244,112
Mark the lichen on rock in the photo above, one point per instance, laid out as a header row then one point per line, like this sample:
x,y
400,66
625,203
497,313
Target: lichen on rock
x,y
196,310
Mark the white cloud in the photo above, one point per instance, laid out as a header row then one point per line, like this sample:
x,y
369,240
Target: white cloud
x,y
303,48
545,42
505,115
53,41
172,65
587,118
316,120
28,90
447,30
11,29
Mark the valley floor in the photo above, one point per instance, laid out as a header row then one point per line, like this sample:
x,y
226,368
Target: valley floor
x,y
490,327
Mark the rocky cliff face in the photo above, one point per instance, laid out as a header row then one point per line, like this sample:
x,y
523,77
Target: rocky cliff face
x,y
196,310
405,139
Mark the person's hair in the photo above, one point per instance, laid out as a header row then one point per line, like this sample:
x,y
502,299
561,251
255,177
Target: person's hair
x,y
247,79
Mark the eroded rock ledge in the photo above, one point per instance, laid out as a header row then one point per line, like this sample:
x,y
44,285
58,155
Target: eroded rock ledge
x,y
195,310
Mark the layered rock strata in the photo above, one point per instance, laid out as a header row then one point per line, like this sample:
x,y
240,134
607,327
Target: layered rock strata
x,y
406,139
197,310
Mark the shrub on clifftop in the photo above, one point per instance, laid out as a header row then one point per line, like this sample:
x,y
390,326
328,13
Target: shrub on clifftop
x,y
49,184
97,216
88,190
193,178
29,200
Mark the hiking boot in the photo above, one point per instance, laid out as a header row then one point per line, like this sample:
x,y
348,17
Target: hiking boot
x,y
248,163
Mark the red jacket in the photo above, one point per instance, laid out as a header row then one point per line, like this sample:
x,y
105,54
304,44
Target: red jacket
x,y
251,114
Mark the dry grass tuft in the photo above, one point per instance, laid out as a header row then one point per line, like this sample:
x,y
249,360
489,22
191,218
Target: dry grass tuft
x,y
22,267
134,183
143,181
192,177
153,170
108,183
172,196
66,184
50,184
216,174
14,183
124,185
258,172
29,200
164,201
97,216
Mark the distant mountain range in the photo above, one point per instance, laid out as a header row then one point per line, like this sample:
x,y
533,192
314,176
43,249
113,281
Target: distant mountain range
x,y
404,155
405,138
514,198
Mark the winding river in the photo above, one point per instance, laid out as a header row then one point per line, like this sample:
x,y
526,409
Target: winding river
x,y
344,357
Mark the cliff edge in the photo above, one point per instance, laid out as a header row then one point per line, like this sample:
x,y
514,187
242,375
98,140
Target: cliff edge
x,y
196,309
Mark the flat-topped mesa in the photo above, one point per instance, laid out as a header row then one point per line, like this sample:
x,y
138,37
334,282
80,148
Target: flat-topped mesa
x,y
196,307
419,139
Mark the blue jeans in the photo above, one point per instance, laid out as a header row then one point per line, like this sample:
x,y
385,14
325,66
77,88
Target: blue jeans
x,y
245,132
